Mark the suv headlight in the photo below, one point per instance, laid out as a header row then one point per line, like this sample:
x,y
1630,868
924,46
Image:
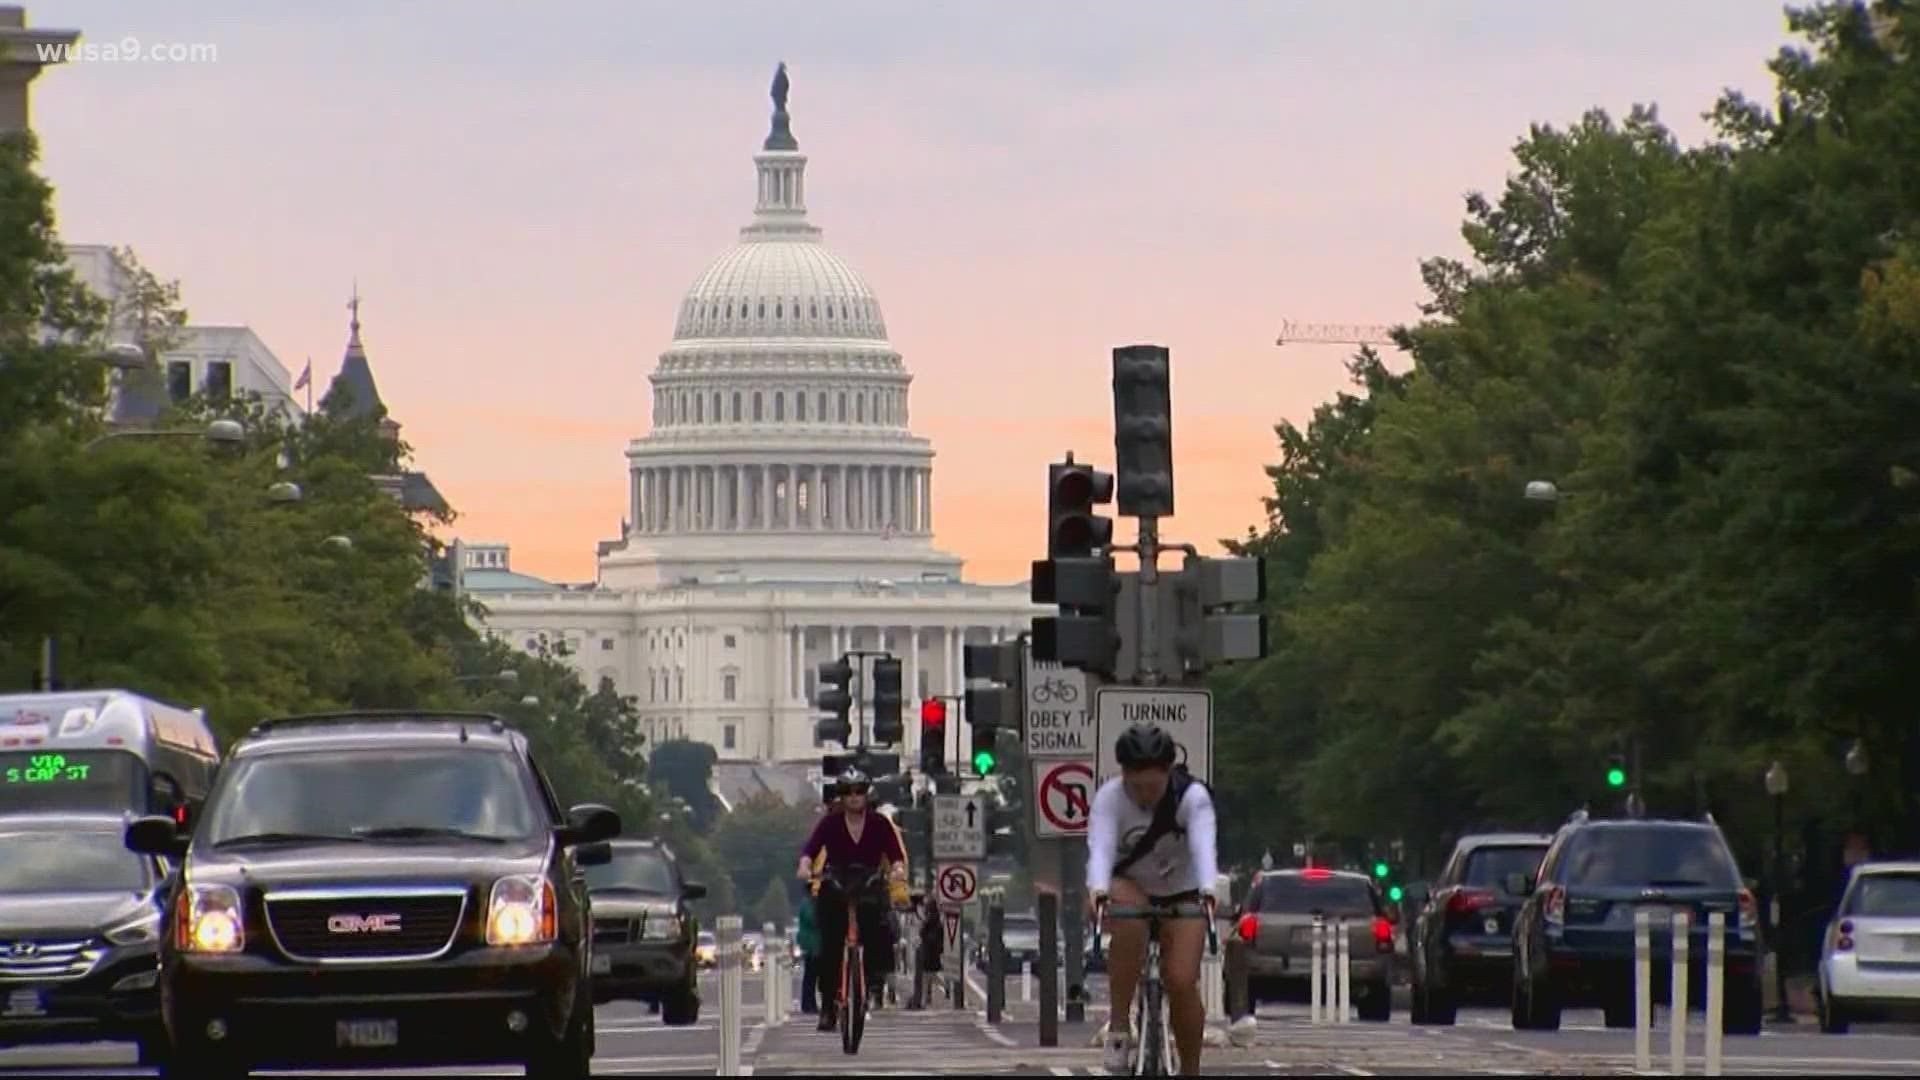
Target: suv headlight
x,y
661,928
142,928
209,920
521,912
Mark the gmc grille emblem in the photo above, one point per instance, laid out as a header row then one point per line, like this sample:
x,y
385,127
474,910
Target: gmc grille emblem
x,y
23,949
363,924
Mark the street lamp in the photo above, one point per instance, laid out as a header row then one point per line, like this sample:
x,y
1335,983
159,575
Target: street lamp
x,y
1857,758
1545,491
123,355
338,543
1776,782
505,675
284,491
219,433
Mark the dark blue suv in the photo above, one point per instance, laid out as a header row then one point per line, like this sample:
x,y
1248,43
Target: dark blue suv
x,y
1573,938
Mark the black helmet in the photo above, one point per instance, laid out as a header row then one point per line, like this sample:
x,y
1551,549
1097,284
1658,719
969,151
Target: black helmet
x,y
1143,745
854,778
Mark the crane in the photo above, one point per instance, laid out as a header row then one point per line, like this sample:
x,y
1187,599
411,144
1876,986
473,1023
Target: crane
x,y
1333,334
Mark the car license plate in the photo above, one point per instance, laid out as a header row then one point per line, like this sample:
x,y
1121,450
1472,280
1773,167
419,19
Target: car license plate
x,y
602,965
26,1003
367,1034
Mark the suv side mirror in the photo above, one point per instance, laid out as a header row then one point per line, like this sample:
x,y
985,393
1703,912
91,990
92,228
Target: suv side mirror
x,y
154,835
693,891
598,853
588,823
1519,884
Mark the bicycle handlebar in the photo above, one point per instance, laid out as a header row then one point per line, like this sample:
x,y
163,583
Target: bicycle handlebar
x,y
1191,909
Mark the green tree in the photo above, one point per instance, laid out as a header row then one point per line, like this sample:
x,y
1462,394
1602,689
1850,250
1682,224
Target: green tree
x,y
759,842
774,906
683,768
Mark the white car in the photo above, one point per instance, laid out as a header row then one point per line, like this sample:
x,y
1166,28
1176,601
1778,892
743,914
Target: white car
x,y
1870,957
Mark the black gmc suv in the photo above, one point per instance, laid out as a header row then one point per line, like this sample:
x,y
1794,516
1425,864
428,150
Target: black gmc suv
x,y
379,888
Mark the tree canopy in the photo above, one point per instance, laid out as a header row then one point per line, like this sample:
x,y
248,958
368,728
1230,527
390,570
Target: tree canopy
x,y
1712,354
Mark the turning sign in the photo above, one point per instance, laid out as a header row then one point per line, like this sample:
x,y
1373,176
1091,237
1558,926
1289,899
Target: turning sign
x,y
1063,791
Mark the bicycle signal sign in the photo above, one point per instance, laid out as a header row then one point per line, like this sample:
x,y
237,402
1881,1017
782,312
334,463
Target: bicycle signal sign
x,y
1059,712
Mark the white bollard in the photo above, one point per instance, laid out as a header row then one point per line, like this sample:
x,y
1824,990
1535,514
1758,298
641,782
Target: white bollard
x,y
1642,990
1213,985
1026,982
1316,993
771,969
1716,987
1677,992
727,940
1343,952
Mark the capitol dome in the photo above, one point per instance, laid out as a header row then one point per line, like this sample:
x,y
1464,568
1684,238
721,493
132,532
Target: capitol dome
x,y
780,436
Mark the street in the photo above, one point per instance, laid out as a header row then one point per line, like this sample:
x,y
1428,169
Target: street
x,y
947,1042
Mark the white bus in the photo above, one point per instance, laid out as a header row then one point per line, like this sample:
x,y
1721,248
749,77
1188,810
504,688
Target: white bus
x,y
110,750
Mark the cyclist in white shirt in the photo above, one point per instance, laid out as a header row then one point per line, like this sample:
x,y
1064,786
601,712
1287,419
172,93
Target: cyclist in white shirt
x,y
1178,867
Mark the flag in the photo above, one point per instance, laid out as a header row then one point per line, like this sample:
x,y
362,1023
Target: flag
x,y
306,376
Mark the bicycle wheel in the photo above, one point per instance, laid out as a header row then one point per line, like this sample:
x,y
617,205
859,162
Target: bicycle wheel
x,y
853,1011
1150,1055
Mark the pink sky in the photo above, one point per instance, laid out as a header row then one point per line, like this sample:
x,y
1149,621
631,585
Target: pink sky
x,y
524,192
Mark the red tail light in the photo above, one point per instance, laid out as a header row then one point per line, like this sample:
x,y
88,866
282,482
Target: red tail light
x,y
1553,906
1315,873
1845,940
1468,901
1383,934
1249,925
1749,909
180,814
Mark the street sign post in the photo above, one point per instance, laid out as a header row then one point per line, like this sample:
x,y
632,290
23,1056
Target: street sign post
x,y
959,828
952,964
1059,712
1182,712
1063,798
956,882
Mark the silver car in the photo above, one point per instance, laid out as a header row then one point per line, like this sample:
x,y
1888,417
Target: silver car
x,y
1277,921
1870,958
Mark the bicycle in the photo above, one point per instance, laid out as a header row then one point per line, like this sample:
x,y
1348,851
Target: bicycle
x,y
850,997
1055,689
1153,1049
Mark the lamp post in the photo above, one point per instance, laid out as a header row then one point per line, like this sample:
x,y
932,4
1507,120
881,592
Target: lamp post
x,y
219,433
1776,781
508,676
1545,491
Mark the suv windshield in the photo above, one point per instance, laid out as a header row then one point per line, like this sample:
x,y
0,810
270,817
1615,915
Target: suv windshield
x,y
1886,896
1489,867
371,794
69,862
641,871
1656,856
1295,895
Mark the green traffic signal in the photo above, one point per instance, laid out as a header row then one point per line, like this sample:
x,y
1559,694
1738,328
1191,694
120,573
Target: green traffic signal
x,y
1380,869
982,762
1396,893
1616,777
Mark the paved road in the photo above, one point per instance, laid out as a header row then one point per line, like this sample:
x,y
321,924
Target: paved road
x,y
632,1041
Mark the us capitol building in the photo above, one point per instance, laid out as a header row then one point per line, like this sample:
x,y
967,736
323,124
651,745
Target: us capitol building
x,y
780,512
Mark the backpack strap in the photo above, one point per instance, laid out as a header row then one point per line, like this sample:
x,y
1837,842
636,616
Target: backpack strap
x,y
1165,820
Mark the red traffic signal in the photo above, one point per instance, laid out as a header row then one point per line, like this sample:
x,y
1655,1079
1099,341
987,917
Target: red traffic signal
x,y
933,713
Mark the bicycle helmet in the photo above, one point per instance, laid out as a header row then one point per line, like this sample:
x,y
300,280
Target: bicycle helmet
x,y
852,779
1144,745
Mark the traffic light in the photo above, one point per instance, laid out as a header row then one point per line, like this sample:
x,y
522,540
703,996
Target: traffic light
x,y
887,728
1380,869
1143,430
992,707
1204,629
1616,770
1073,529
933,737
835,698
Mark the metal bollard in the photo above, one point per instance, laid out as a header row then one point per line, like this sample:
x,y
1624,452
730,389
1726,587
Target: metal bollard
x,y
1316,984
1716,988
1343,970
771,970
1642,990
1677,993
727,939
